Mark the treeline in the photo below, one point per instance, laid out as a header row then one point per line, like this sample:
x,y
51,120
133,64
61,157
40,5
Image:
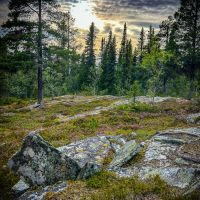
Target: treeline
x,y
164,62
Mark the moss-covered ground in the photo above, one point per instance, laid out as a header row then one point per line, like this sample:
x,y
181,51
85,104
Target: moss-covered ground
x,y
16,120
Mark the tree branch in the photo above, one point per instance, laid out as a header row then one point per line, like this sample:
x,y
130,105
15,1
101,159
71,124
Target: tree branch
x,y
32,9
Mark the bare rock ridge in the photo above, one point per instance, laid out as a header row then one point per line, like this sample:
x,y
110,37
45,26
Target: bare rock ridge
x,y
172,154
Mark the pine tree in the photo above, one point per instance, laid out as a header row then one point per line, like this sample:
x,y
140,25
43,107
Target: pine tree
x,y
64,34
23,13
63,30
188,22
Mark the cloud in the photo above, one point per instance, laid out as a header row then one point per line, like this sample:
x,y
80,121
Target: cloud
x,y
114,13
107,28
118,30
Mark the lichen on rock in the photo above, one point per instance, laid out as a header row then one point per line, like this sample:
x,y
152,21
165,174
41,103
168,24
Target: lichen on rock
x,y
39,163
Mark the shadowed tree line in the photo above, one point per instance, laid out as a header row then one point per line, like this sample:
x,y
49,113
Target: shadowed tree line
x,y
40,51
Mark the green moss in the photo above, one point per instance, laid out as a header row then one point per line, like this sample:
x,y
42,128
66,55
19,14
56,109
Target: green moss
x,y
101,180
127,188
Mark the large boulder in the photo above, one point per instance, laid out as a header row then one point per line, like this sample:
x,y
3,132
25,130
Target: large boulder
x,y
39,163
127,152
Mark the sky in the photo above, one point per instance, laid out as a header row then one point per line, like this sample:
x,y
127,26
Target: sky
x,y
112,14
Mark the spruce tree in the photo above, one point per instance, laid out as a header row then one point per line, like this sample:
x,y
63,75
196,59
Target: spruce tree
x,y
129,63
122,66
150,38
108,65
141,43
87,75
188,24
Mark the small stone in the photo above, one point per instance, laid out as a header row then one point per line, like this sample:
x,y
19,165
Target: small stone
x,y
19,188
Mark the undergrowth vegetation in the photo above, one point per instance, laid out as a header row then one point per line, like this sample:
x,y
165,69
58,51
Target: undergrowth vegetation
x,y
16,120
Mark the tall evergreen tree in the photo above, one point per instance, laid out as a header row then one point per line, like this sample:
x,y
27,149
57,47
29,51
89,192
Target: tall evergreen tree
x,y
108,65
122,67
150,38
29,12
87,75
129,62
141,43
165,30
188,22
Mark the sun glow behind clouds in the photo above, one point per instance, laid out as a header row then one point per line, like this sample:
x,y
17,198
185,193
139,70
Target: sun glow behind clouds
x,y
84,15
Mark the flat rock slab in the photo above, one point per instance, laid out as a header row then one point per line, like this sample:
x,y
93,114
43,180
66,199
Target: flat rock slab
x,y
193,118
39,163
172,154
146,99
174,176
92,150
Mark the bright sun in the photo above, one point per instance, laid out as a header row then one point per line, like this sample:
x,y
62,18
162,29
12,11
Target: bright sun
x,y
82,12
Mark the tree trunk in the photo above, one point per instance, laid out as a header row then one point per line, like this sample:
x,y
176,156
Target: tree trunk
x,y
192,86
40,62
164,85
194,52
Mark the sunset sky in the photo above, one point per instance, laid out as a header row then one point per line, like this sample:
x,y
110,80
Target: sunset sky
x,y
112,14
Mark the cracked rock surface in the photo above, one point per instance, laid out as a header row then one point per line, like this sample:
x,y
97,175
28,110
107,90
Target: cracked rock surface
x,y
171,154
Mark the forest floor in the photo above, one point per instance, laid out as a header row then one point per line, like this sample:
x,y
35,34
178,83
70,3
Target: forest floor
x,y
70,118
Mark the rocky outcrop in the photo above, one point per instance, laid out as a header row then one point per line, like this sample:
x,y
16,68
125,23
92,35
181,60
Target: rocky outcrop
x,y
171,154
146,99
39,163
